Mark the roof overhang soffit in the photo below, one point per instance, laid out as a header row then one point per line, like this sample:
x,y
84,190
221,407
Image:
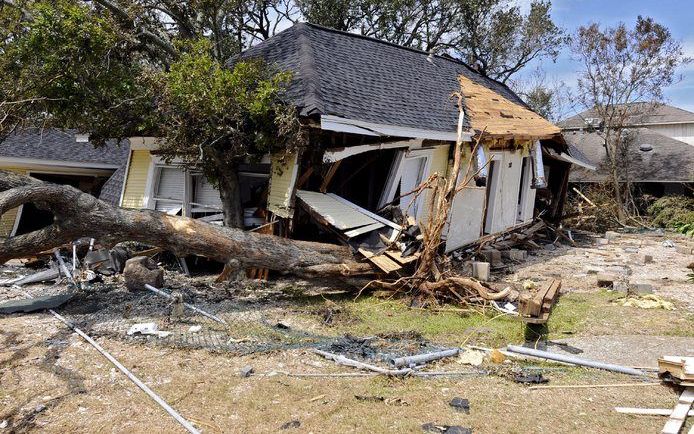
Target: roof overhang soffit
x,y
344,125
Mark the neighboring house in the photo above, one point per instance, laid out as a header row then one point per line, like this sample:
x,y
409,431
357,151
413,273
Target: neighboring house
x,y
660,156
384,120
58,156
664,119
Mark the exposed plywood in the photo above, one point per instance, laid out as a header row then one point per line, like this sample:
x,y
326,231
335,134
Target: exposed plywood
x,y
136,179
383,262
282,180
490,112
7,220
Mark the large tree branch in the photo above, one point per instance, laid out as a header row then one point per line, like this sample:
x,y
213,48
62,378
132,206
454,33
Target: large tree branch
x,y
78,214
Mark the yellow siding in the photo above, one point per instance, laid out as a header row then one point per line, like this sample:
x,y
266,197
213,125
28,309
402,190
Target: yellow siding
x,y
7,219
439,164
136,180
282,181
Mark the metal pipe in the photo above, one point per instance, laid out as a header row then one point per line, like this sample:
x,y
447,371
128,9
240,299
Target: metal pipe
x,y
574,360
539,180
189,306
481,165
420,359
180,419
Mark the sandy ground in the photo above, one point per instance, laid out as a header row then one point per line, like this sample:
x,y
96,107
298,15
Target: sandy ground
x,y
52,381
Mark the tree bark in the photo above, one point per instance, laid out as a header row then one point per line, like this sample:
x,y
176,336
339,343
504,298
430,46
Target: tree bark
x,y
230,195
78,215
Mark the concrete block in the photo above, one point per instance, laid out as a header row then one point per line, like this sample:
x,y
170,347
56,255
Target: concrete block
x,y
606,280
611,235
480,271
641,288
646,259
602,241
492,256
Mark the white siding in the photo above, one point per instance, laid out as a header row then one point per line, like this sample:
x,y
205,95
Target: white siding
x,y
682,132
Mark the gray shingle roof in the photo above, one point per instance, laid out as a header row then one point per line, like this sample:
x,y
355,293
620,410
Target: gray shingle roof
x,y
669,161
61,145
365,79
660,114
110,192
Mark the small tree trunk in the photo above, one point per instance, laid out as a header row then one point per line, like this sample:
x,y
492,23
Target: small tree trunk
x,y
230,194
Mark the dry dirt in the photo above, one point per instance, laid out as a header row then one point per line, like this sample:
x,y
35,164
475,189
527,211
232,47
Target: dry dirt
x,y
53,381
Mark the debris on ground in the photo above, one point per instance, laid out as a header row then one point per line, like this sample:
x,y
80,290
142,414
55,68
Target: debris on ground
x,y
529,378
471,357
460,404
36,303
648,301
246,371
148,328
445,429
291,424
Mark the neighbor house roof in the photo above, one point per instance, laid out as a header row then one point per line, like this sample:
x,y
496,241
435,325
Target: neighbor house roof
x,y
643,114
364,79
668,160
37,146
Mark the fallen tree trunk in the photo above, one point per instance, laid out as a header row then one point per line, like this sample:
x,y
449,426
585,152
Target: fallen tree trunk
x,y
78,214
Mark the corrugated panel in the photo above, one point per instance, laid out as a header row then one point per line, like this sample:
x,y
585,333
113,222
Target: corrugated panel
x,y
334,212
7,219
439,164
283,177
136,180
169,191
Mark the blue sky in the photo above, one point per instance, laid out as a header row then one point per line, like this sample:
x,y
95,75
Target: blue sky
x,y
677,15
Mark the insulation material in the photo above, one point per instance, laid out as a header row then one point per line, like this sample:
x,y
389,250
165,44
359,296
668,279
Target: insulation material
x,y
136,179
282,179
490,112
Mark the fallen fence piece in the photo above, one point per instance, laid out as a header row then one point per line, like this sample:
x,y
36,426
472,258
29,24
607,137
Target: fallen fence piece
x,y
180,419
591,386
188,305
574,360
33,304
679,413
342,360
420,359
648,411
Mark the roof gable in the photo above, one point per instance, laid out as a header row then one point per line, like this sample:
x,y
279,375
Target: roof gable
x,y
660,114
365,79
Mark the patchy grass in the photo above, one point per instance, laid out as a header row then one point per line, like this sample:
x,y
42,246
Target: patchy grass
x,y
579,314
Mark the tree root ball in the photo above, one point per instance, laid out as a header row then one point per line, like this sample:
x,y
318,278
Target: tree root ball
x,y
141,270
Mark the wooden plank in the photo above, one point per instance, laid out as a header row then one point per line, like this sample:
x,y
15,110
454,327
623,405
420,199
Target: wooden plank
x,y
402,260
384,263
679,413
362,230
648,411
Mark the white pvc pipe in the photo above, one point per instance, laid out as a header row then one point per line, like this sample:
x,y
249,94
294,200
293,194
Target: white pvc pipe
x,y
539,180
574,360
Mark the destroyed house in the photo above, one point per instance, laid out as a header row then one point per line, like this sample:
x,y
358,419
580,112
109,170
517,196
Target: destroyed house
x,y
382,119
62,157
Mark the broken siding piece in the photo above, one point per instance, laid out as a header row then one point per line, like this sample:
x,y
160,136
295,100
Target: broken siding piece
x,y
334,212
282,180
136,179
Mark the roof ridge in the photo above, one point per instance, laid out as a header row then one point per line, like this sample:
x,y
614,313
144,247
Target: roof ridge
x,y
310,80
447,58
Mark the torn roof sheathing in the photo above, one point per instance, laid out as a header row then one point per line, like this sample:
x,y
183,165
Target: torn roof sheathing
x,y
334,212
492,113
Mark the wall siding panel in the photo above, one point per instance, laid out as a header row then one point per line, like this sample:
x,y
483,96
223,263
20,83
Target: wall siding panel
x,y
136,181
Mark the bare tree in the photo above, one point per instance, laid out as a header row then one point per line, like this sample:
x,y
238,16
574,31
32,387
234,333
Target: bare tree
x,y
624,73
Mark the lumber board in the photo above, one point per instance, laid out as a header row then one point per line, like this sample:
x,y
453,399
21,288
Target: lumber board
x,y
679,413
383,262
402,260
